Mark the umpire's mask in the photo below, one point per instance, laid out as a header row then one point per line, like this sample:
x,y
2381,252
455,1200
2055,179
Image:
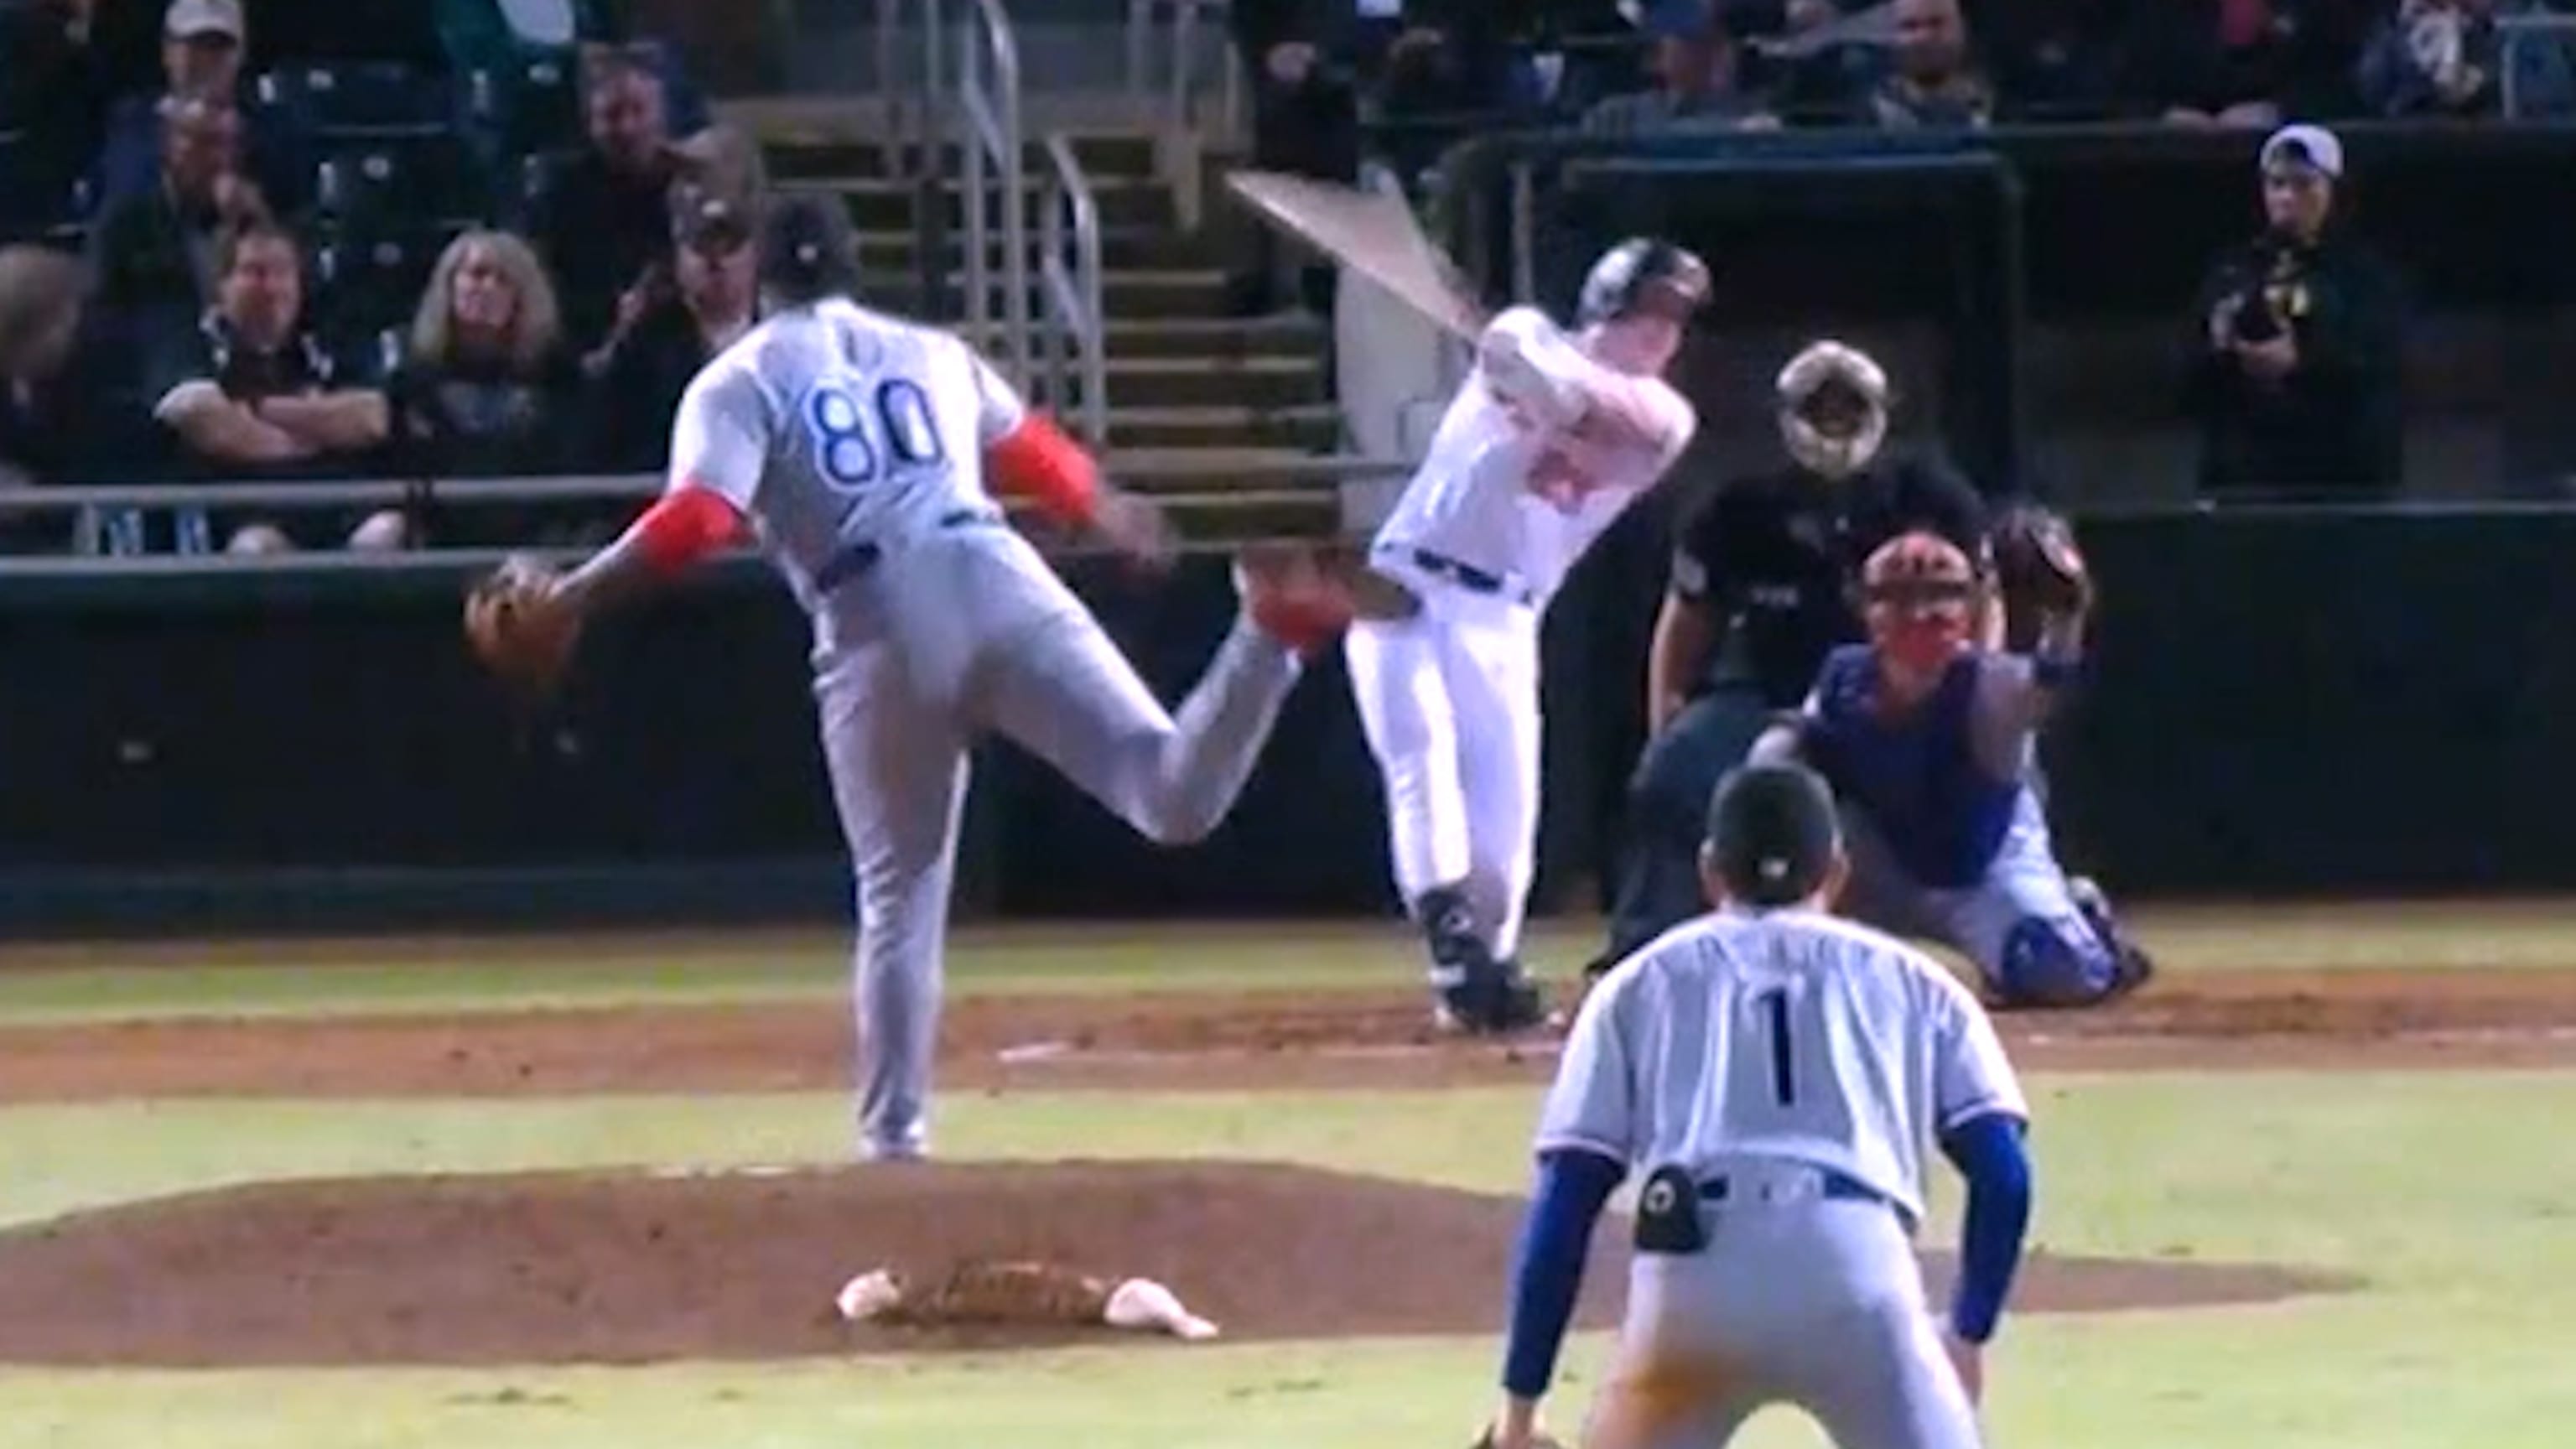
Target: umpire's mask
x,y
1833,409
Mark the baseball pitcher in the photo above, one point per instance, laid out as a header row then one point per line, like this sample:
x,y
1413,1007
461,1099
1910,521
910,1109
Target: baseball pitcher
x,y
1776,1074
1928,741
1551,437
856,447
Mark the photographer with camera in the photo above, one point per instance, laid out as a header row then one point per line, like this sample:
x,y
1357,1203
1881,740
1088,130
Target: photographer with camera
x,y
2296,375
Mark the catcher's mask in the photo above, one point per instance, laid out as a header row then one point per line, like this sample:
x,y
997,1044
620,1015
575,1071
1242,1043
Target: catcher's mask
x,y
1833,408
1919,593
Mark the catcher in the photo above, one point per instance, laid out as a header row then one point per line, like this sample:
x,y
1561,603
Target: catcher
x,y
1928,740
985,1291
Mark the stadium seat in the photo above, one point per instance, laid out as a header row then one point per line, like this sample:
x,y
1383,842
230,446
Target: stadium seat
x,y
33,201
394,185
361,101
368,284
525,107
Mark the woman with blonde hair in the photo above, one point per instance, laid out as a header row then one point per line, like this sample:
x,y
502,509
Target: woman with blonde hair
x,y
485,387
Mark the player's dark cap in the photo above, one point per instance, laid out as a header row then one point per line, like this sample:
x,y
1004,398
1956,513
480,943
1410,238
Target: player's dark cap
x,y
807,250
707,223
1643,275
1772,834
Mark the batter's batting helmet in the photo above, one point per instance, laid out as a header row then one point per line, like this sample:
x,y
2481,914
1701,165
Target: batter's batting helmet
x,y
1642,275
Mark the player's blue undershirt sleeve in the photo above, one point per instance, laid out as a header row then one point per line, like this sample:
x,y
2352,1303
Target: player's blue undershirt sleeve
x,y
1987,1150
1547,1272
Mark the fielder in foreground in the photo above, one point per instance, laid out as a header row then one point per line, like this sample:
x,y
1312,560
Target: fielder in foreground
x,y
1776,1074
856,447
1551,437
1928,741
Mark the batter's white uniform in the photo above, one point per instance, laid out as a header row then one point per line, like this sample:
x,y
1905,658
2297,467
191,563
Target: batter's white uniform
x,y
854,442
1799,1067
1498,512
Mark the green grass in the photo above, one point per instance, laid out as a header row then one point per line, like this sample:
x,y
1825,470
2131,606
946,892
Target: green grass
x,y
2448,1193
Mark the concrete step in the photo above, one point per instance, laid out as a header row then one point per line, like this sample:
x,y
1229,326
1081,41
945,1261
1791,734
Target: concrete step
x,y
1204,338
888,205
1127,247
808,161
1312,428
1252,382
1124,293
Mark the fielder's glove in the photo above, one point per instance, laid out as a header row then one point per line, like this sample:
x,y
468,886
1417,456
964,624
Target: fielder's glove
x,y
2039,571
517,627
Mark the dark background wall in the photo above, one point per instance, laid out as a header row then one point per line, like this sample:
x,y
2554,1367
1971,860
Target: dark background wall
x,y
2294,702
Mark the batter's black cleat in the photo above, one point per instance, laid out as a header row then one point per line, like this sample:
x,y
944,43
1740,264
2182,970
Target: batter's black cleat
x,y
1497,1000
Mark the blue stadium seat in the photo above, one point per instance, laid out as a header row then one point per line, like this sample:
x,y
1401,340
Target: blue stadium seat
x,y
34,201
529,106
366,285
361,101
396,185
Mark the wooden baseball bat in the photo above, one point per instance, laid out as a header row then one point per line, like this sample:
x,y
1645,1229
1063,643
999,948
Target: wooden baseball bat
x,y
1372,233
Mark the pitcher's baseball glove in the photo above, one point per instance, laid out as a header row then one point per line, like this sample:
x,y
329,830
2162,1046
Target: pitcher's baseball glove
x,y
2039,570
517,628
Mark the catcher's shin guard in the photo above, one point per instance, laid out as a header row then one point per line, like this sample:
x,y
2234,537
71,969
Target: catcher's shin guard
x,y
2131,966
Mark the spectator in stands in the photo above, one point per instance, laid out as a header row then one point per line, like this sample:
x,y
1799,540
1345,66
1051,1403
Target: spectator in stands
x,y
638,379
2052,60
485,387
2296,378
2447,58
250,392
1935,83
1697,75
202,42
44,411
603,225
53,93
1305,122
2242,63
156,251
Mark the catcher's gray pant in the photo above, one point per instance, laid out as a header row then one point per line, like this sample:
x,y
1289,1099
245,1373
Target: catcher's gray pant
x,y
1797,1299
2020,925
961,632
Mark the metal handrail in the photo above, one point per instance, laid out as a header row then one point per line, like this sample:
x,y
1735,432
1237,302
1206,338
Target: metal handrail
x,y
1255,482
990,136
1075,325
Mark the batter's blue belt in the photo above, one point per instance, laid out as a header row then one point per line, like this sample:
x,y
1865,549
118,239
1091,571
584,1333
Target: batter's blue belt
x,y
1465,575
856,559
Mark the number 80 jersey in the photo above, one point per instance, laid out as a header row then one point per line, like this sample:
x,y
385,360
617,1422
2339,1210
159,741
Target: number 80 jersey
x,y
1782,1034
832,427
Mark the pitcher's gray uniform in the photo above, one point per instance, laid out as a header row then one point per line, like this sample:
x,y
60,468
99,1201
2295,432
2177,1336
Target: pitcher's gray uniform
x,y
854,443
1797,1066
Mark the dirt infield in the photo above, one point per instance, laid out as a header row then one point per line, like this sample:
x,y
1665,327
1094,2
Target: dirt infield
x,y
1200,1040
566,1268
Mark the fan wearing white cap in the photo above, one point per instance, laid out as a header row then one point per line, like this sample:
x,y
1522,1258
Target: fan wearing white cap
x,y
2295,386
203,44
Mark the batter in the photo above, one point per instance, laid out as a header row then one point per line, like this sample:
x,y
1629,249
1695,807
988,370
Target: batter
x,y
1776,1074
1552,436
856,447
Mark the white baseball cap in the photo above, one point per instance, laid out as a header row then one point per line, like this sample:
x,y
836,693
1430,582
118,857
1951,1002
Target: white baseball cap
x,y
2304,145
188,18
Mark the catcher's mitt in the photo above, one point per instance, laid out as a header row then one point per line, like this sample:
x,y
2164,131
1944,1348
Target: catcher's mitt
x,y
2039,570
517,628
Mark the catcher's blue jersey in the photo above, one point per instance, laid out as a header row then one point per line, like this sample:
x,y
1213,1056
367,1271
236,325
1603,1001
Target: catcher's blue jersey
x,y
1926,781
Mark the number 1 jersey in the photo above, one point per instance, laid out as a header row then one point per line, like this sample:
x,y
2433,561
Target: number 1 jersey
x,y
832,427
1781,1034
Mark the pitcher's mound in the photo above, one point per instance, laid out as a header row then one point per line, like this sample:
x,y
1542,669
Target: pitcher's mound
x,y
624,1268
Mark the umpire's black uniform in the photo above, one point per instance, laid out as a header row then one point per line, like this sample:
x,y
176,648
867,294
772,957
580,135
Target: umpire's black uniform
x,y
1769,561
